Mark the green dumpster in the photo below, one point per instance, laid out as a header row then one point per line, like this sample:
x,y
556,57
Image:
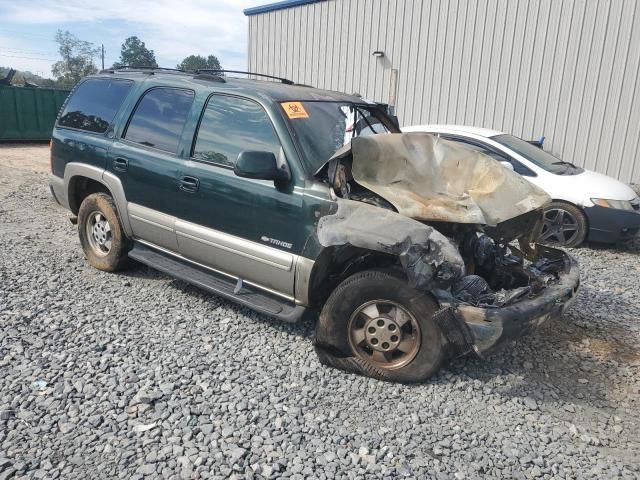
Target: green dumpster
x,y
28,113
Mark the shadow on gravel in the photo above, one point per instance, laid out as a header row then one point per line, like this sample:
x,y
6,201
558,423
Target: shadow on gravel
x,y
586,357
629,246
302,329
577,359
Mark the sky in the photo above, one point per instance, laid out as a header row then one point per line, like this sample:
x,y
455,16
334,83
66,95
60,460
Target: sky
x,y
173,29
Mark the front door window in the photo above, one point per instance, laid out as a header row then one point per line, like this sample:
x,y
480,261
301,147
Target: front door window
x,y
231,125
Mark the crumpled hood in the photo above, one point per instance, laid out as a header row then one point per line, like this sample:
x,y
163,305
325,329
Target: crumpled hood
x,y
430,179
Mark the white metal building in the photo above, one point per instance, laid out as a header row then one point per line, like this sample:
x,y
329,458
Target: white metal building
x,y
565,69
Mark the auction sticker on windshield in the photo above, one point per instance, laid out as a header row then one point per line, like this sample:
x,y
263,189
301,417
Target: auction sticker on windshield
x,y
294,110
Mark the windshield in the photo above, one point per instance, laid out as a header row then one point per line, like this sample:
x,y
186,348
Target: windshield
x,y
534,154
323,127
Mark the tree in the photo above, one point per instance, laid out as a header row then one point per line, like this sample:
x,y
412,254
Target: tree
x,y
198,62
135,53
77,59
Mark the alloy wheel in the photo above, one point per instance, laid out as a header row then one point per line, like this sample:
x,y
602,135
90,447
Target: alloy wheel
x,y
560,227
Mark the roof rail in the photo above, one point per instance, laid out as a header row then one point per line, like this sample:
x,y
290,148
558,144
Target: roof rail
x,y
143,68
209,70
208,76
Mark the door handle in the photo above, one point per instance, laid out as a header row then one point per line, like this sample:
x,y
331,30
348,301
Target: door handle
x,y
121,164
189,184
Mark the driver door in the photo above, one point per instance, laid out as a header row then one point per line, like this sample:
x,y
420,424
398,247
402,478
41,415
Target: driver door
x,y
247,228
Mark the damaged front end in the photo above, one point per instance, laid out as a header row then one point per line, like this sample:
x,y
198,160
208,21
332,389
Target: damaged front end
x,y
452,218
505,293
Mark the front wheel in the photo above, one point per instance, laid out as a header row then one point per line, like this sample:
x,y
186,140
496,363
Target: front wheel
x,y
564,225
376,325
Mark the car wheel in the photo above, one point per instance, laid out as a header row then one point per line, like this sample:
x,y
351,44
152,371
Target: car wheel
x,y
564,225
375,325
101,235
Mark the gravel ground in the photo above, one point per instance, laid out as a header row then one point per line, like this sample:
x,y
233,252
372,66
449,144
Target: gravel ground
x,y
137,375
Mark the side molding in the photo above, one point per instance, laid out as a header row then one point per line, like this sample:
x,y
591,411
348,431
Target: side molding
x,y
303,267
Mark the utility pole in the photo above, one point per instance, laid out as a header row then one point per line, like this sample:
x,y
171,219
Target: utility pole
x,y
102,54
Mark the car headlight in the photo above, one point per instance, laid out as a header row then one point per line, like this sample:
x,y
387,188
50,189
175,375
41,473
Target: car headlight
x,y
617,204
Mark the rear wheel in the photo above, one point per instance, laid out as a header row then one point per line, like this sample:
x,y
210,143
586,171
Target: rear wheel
x,y
101,235
564,225
374,324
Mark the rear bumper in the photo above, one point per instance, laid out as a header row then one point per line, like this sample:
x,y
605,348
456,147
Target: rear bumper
x,y
56,186
608,225
491,327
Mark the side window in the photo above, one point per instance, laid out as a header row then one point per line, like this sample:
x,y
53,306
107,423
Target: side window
x,y
521,169
94,104
230,125
517,166
159,118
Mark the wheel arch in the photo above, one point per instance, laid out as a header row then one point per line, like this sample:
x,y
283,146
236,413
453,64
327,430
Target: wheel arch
x,y
336,263
81,180
579,207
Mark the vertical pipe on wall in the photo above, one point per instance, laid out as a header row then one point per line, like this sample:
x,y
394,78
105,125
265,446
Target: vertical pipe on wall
x,y
393,90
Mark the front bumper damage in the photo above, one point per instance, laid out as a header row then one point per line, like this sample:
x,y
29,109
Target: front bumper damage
x,y
542,289
450,218
481,330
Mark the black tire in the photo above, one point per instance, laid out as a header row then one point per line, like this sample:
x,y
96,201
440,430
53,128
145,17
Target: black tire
x,y
335,345
569,231
101,206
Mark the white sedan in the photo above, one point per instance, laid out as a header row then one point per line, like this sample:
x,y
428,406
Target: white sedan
x,y
586,205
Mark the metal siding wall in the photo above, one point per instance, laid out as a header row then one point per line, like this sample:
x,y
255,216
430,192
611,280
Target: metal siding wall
x,y
566,69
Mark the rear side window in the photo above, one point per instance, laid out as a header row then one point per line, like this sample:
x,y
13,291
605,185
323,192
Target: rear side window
x,y
230,125
159,118
94,104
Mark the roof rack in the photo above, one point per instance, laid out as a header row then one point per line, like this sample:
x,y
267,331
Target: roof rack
x,y
197,72
143,68
209,70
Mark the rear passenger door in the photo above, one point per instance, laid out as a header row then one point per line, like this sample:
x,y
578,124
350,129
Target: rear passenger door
x,y
244,227
146,159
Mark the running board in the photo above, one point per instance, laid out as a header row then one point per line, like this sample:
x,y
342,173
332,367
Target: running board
x,y
227,287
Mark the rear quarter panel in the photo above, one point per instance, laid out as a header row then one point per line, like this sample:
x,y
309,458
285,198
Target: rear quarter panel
x,y
73,145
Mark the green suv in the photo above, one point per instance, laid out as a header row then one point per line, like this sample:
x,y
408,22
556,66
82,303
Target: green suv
x,y
294,201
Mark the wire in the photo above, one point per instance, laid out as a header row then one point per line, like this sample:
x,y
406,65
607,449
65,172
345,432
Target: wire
x,y
28,58
31,52
21,33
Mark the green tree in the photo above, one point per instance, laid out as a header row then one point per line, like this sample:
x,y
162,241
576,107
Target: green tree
x,y
198,62
77,59
135,53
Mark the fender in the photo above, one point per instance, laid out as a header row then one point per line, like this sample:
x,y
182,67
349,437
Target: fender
x,y
428,258
108,179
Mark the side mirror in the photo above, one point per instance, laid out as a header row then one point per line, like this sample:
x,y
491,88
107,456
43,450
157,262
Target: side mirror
x,y
507,164
259,165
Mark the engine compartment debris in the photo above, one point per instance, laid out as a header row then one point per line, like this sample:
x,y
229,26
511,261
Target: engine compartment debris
x,y
449,214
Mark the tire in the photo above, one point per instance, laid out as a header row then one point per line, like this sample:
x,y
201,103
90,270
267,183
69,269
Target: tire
x,y
419,349
101,236
565,225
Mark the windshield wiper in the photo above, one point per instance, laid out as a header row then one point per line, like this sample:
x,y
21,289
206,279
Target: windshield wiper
x,y
564,163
